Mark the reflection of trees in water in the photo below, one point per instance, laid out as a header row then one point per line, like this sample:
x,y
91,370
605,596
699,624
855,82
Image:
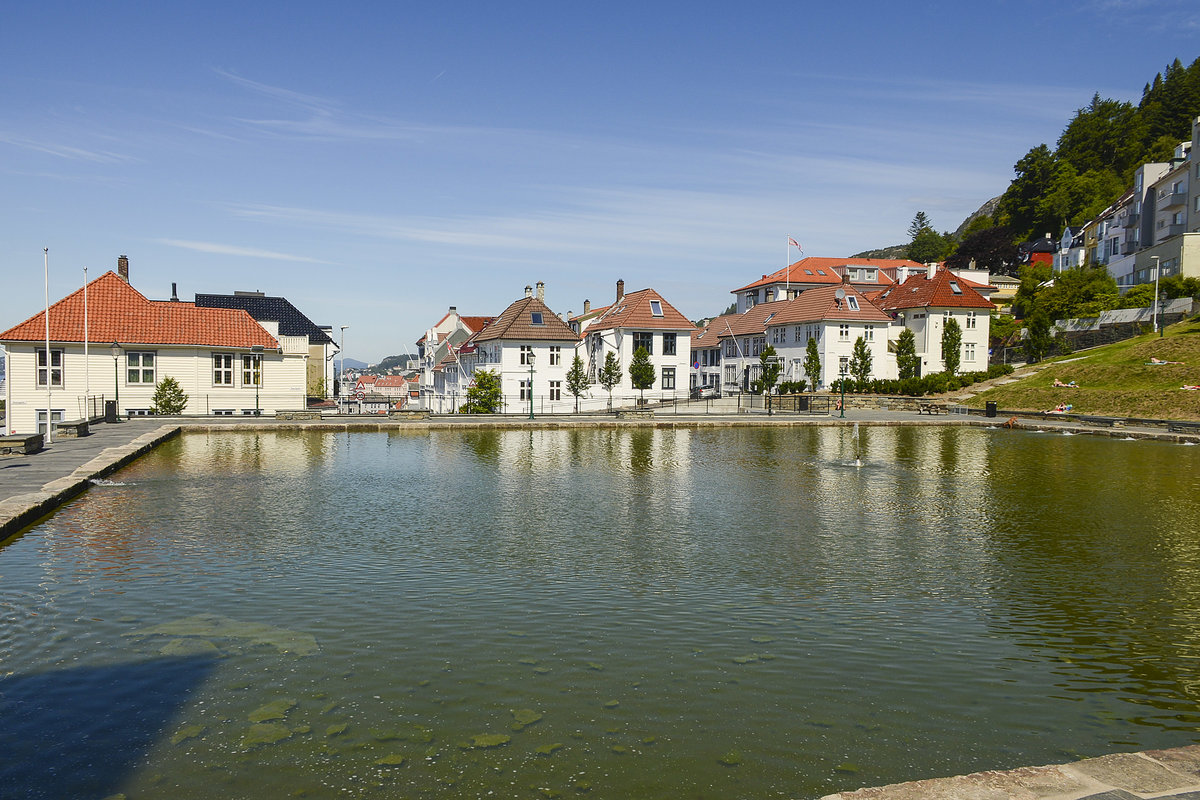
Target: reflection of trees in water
x,y
485,444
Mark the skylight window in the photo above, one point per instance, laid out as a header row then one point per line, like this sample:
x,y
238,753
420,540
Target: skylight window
x,y
537,318
656,308
808,272
820,272
954,287
853,301
768,319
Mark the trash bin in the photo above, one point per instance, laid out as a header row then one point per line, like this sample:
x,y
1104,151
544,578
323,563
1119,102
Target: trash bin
x,y
989,408
110,410
803,403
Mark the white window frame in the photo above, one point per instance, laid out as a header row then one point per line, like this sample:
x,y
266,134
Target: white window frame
x,y
251,369
136,369
969,352
843,332
667,381
56,355
555,355
526,390
656,308
526,350
223,368
868,333
556,390
970,320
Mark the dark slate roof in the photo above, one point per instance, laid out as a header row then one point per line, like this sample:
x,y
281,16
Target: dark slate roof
x,y
275,309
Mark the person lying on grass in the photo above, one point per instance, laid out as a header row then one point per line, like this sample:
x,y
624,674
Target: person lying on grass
x,y
1059,384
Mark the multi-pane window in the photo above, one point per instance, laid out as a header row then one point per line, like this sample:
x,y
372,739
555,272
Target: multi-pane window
x,y
797,333
779,335
968,351
760,344
526,392
868,333
55,369
668,378
730,347
643,339
526,352
555,355
843,333
251,369
556,390
668,344
730,373
970,320
139,368
844,365
222,369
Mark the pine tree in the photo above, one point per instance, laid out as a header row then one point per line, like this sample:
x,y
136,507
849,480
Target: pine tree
x,y
641,372
168,397
812,363
860,363
577,380
907,361
610,375
951,346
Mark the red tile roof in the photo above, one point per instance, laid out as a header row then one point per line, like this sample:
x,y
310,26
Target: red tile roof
x,y
921,291
751,322
822,304
516,322
822,270
708,336
634,311
119,313
391,380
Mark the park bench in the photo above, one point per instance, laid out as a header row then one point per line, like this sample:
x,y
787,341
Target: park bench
x,y
929,407
21,444
1103,422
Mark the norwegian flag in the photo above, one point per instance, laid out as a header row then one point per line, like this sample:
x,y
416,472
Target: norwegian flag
x,y
794,243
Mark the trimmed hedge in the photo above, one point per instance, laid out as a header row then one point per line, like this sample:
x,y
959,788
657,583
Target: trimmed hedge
x,y
937,383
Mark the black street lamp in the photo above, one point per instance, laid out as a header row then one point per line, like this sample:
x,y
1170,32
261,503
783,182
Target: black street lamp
x,y
115,349
257,351
530,356
844,372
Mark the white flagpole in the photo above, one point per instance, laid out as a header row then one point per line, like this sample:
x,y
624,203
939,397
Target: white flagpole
x,y
87,376
787,269
49,365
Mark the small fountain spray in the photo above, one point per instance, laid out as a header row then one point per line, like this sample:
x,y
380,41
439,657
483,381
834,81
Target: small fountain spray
x,y
857,455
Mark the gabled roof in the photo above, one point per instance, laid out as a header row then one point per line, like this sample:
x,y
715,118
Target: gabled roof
x,y
391,380
921,291
472,324
635,310
708,336
753,321
516,322
818,270
119,313
263,308
822,303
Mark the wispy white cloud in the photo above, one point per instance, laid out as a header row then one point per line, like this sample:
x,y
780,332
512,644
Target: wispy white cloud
x,y
65,151
235,250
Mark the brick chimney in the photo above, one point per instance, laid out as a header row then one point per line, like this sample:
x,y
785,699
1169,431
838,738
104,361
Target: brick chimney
x,y
529,291
620,290
541,291
123,267
587,306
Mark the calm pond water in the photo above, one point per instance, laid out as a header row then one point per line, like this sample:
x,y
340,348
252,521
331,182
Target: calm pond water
x,y
737,613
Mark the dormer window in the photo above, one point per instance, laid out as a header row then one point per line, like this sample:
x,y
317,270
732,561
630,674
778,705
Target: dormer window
x,y
537,318
656,308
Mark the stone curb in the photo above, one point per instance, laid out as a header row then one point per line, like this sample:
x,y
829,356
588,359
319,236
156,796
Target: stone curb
x,y
21,510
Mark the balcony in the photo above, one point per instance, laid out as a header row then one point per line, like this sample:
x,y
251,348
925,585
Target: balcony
x,y
1132,221
1172,200
1167,231
1129,248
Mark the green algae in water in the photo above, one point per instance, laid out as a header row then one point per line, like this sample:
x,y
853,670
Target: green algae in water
x,y
847,768
762,639
337,730
276,709
189,647
731,759
542,670
394,760
188,732
266,733
548,749
649,740
524,717
485,740
750,659
255,634
529,662
612,704
592,665
619,749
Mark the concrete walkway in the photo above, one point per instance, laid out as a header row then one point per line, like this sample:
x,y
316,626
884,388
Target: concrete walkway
x,y
1123,776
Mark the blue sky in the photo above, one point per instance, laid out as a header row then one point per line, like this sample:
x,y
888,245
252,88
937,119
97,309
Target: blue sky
x,y
376,163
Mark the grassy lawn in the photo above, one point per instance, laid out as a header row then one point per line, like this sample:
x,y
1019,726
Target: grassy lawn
x,y
1116,380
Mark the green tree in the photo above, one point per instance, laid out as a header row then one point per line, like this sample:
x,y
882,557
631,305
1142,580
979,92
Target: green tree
x,y
1038,340
921,222
483,395
951,346
907,361
1079,292
641,372
1017,207
991,248
771,368
1034,278
812,363
577,380
860,363
925,243
610,374
168,397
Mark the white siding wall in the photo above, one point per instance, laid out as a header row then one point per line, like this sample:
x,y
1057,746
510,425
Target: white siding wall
x,y
283,382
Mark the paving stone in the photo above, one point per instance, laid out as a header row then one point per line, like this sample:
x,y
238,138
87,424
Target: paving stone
x,y
1026,783
1134,772
1181,759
